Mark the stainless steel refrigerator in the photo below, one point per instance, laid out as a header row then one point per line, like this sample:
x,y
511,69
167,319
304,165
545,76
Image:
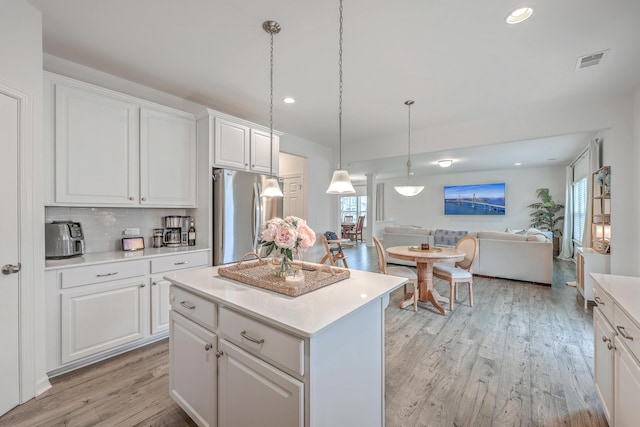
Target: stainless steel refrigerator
x,y
239,213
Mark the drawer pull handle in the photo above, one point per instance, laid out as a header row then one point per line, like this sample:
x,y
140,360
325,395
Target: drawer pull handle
x,y
611,346
181,263
219,354
187,304
605,338
243,334
598,301
208,347
624,334
107,274
143,285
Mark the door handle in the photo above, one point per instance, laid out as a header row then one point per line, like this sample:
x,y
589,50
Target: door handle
x,y
11,268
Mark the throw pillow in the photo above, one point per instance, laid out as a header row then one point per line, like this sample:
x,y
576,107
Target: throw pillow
x,y
448,238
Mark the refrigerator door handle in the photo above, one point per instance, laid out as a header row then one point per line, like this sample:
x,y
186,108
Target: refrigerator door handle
x,y
256,213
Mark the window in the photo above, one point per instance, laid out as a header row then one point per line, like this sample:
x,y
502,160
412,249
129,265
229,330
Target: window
x,y
579,209
354,206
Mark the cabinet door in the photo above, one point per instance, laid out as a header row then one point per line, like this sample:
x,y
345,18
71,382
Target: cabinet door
x,y
254,393
192,369
231,145
261,152
168,170
603,335
160,305
96,148
627,387
100,317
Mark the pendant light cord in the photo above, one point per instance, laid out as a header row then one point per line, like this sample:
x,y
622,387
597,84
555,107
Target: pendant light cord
x,y
271,109
409,104
340,94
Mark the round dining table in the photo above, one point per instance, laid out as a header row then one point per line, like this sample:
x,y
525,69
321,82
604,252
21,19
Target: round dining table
x,y
424,260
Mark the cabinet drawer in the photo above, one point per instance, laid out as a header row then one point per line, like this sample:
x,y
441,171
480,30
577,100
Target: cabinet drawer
x,y
263,339
193,307
605,303
178,262
628,331
101,273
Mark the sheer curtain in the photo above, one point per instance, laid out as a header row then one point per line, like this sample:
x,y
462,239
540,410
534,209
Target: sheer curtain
x,y
567,232
595,163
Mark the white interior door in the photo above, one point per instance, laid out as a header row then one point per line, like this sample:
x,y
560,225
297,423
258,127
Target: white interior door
x,y
9,255
293,196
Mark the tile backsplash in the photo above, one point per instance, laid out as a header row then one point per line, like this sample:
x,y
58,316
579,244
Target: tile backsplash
x,y
103,227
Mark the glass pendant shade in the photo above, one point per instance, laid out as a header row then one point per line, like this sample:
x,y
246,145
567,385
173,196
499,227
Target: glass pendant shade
x,y
271,188
340,183
409,190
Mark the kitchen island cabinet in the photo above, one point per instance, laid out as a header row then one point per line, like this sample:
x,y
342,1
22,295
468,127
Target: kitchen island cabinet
x,y
103,304
313,360
617,347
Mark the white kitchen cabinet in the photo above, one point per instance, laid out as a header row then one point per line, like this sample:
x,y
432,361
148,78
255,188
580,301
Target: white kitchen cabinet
x,y
104,307
111,149
96,148
96,318
616,347
168,154
193,371
275,398
237,144
603,343
589,261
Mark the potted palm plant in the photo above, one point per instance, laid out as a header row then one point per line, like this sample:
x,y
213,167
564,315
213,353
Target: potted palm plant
x,y
547,215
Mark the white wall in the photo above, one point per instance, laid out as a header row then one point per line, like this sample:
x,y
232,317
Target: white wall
x,y
322,208
21,53
427,208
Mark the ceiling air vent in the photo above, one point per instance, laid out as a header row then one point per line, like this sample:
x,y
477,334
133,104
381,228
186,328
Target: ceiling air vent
x,y
591,59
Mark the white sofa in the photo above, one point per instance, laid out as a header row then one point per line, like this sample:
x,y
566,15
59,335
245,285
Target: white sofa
x,y
526,256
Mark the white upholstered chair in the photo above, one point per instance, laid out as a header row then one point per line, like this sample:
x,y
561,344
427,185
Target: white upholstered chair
x,y
460,272
397,270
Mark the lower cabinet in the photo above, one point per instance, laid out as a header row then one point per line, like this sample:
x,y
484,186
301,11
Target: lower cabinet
x,y
159,304
603,345
616,327
275,398
99,317
193,369
589,261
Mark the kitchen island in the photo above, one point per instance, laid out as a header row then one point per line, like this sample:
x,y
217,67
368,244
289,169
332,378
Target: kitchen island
x,y
241,355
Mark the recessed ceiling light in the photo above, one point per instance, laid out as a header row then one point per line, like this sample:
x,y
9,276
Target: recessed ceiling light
x,y
289,100
519,15
517,164
445,163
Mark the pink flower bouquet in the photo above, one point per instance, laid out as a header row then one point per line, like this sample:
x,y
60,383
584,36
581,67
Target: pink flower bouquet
x,y
286,236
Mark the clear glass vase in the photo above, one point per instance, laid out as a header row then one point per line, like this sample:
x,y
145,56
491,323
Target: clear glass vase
x,y
279,264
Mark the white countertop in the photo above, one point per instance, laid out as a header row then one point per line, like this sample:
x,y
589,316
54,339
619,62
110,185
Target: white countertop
x,y
305,315
624,290
112,256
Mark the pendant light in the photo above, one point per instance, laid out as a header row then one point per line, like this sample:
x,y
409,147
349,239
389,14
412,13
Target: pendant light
x,y
340,182
409,190
271,187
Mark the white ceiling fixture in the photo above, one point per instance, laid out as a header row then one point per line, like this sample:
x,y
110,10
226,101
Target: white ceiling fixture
x,y
289,100
271,187
445,163
340,181
519,15
409,190
591,59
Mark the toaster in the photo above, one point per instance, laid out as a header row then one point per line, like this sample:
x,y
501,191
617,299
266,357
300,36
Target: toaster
x,y
63,239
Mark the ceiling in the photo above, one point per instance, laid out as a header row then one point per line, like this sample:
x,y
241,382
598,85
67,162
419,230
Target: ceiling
x,y
457,59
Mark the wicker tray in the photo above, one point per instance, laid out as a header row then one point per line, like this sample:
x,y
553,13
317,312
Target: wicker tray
x,y
419,249
257,273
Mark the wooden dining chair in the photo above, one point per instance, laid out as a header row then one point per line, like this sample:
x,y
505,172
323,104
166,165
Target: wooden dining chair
x,y
460,272
333,249
398,270
357,230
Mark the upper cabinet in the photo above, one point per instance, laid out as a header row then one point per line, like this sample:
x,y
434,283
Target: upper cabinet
x,y
111,149
237,144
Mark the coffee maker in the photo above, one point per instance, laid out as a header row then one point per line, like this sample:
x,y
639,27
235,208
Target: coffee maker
x,y
176,231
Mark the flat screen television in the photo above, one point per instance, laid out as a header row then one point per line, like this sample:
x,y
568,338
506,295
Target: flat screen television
x,y
479,199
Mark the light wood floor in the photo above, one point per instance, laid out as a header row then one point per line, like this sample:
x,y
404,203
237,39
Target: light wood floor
x,y
522,356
